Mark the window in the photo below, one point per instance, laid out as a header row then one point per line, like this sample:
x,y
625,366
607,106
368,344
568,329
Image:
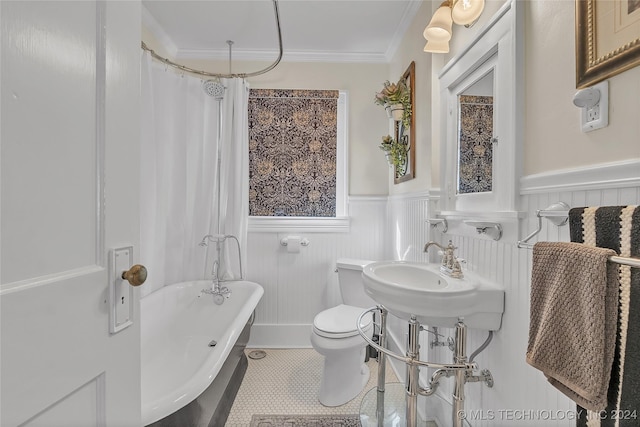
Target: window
x,y
297,158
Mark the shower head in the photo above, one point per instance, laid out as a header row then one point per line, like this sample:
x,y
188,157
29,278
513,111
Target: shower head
x,y
214,88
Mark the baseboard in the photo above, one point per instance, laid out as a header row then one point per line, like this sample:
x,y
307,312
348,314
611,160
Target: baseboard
x,y
280,336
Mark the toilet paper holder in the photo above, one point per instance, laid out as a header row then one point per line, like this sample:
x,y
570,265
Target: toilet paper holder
x,y
303,242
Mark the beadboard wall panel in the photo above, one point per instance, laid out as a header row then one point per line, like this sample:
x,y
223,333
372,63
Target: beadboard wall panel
x,y
300,285
520,391
407,227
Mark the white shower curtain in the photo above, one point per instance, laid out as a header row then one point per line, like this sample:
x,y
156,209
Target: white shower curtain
x,y
234,176
179,170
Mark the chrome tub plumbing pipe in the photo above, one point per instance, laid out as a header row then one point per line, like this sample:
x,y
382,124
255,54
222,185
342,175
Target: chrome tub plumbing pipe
x,y
220,292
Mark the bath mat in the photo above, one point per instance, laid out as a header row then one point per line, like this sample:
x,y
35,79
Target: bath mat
x,y
305,421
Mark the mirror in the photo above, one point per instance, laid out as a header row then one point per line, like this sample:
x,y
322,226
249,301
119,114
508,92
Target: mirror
x,y
481,122
405,133
475,135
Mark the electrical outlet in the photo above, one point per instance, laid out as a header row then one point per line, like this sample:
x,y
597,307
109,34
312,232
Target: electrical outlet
x,y
593,113
597,117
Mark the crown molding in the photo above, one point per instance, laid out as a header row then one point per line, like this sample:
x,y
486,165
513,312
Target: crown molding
x,y
222,54
408,15
287,56
150,23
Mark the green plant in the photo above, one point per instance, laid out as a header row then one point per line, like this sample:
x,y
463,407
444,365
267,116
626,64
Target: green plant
x,y
393,93
396,93
396,153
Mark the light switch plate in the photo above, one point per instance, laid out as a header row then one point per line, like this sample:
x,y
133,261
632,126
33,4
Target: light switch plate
x,y
120,291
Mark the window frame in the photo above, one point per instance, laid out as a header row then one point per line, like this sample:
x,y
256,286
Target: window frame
x,y
339,223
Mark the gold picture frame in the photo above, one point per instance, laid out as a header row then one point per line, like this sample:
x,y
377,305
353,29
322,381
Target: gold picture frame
x,y
407,136
607,39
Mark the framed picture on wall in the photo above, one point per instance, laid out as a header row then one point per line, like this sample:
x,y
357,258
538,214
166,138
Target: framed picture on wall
x,y
607,39
405,132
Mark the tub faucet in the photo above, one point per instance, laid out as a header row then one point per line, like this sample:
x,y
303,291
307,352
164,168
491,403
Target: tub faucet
x,y
214,272
450,264
216,290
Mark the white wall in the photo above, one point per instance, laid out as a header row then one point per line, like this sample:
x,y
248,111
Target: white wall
x,y
300,285
553,139
412,43
552,143
517,385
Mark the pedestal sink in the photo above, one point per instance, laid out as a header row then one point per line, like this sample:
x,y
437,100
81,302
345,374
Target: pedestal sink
x,y
408,288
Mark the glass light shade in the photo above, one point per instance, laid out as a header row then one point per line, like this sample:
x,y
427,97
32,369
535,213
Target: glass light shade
x,y
436,47
439,29
465,12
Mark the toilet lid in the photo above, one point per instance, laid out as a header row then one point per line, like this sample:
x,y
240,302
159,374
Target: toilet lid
x,y
340,321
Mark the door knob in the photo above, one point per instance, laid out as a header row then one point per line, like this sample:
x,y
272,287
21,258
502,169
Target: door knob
x,y
136,275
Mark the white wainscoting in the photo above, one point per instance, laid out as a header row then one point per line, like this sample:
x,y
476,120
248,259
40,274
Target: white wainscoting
x,y
518,386
300,285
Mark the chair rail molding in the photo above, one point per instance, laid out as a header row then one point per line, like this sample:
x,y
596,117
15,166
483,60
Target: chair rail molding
x,y
620,174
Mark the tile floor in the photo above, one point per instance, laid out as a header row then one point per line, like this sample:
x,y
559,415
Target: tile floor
x,y
286,381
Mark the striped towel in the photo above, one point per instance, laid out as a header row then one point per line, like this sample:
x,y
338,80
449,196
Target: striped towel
x,y
617,228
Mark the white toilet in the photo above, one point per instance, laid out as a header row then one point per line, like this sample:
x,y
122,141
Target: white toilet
x,y
336,337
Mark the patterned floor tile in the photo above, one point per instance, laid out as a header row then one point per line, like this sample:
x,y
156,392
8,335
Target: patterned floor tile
x,y
286,381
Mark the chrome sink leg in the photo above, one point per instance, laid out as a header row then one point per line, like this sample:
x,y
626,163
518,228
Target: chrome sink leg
x,y
459,357
382,365
413,353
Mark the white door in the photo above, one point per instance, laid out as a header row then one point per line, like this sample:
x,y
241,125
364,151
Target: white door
x,y
70,154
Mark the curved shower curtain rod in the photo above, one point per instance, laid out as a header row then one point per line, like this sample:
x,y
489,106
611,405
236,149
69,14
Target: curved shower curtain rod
x,y
221,75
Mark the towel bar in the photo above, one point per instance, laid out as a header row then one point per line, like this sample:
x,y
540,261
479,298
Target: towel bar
x,y
632,262
558,214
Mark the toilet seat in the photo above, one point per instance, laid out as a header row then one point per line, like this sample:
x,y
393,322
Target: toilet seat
x,y
340,321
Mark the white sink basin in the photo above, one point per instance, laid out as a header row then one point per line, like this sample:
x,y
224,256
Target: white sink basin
x,y
408,288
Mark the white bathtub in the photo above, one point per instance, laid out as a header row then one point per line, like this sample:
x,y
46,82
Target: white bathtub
x,y
176,327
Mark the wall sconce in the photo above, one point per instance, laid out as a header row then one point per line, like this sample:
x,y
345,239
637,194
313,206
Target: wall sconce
x,y
438,32
467,12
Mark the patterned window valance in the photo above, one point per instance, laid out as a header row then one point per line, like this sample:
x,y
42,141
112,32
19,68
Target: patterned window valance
x,y
293,93
292,152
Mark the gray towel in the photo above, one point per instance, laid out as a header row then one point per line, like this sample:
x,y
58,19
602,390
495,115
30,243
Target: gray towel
x,y
572,327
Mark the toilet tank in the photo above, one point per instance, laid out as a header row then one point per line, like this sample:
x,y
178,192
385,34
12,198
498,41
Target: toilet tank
x,y
351,283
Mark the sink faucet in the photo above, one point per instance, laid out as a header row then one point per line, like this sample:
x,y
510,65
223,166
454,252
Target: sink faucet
x,y
450,264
